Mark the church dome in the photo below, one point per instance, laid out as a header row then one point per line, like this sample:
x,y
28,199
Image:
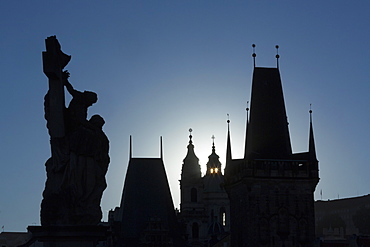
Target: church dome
x,y
190,167
213,180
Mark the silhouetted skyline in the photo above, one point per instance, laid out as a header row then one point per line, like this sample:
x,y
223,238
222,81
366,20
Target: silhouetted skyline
x,y
162,68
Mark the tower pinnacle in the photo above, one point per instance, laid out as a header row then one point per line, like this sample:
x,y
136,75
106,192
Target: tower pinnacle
x,y
190,136
130,147
254,55
246,130
213,143
277,56
228,145
311,144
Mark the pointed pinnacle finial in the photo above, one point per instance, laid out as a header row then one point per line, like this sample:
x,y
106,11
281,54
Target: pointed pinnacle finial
x,y
161,147
190,136
254,55
213,142
228,122
311,142
130,147
277,56
247,109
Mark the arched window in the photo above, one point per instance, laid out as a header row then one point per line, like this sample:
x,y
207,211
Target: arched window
x,y
193,195
223,216
195,230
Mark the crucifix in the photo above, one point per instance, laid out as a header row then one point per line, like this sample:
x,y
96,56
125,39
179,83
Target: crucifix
x,y
54,61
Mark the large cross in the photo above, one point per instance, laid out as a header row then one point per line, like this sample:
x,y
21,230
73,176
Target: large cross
x,y
54,61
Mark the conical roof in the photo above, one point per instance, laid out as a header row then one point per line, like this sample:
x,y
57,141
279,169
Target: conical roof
x,y
311,144
228,144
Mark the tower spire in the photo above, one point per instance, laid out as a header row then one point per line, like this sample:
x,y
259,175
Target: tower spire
x,y
161,147
311,144
246,130
190,136
130,147
213,143
228,147
190,167
254,55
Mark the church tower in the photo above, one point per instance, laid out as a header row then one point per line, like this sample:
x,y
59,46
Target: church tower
x,y
215,198
204,208
192,212
271,189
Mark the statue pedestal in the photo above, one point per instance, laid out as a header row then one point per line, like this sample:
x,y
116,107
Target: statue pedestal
x,y
71,236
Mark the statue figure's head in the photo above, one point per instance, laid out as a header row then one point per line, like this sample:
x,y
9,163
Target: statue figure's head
x,y
90,97
97,121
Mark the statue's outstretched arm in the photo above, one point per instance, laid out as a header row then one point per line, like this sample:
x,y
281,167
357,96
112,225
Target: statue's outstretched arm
x,y
68,85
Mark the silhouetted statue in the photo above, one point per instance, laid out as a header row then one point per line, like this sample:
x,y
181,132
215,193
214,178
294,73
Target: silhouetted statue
x,y
79,149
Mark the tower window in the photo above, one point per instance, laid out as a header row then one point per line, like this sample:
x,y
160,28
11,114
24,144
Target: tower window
x,y
213,170
193,195
223,216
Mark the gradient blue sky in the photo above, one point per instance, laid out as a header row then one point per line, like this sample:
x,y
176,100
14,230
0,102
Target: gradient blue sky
x,y
162,67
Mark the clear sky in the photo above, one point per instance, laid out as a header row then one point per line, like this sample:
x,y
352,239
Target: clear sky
x,y
162,67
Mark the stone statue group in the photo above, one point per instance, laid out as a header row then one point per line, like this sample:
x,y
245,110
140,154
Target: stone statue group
x,y
79,149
